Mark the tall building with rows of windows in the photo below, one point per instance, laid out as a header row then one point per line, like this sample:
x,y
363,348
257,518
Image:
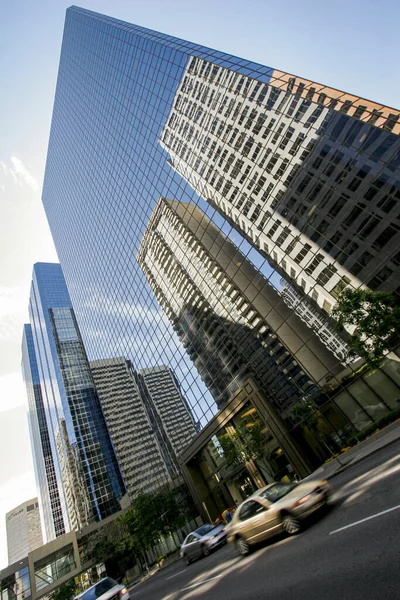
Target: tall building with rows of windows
x,y
302,179
229,318
306,173
86,472
45,474
24,532
148,420
163,392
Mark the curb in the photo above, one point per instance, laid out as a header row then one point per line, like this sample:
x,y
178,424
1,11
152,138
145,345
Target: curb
x,y
361,459
153,572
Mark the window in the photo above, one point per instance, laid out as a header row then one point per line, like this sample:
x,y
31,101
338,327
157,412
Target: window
x,y
326,274
354,214
277,133
327,306
386,204
339,204
362,262
368,226
304,183
299,257
314,264
339,126
283,236
339,287
259,123
385,237
251,509
380,278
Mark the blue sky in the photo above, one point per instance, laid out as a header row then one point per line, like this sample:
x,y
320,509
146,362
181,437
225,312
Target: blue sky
x,y
352,45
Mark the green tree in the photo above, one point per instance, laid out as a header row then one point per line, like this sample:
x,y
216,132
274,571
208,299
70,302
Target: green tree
x,y
152,516
247,443
376,317
66,591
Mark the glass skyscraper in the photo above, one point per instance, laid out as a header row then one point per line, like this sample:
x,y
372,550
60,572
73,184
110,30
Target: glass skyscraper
x,y
302,178
45,474
83,468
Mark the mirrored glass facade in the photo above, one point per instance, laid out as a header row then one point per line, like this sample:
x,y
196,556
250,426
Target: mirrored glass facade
x,y
45,474
301,180
86,472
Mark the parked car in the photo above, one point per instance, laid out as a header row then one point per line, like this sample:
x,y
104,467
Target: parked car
x,y
273,509
202,541
105,589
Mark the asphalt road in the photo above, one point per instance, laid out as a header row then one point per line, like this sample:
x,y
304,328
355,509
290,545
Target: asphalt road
x,y
352,552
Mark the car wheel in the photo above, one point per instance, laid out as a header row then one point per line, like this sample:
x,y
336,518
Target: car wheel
x,y
186,560
242,546
290,524
205,550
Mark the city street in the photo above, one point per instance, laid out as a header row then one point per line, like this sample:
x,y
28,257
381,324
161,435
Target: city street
x,y
351,552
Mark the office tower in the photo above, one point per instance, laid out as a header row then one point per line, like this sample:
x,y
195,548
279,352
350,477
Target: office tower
x,y
231,321
162,392
24,533
110,142
51,516
306,173
86,471
142,442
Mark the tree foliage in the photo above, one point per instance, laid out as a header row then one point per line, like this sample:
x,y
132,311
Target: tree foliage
x,y
152,516
376,317
66,591
246,443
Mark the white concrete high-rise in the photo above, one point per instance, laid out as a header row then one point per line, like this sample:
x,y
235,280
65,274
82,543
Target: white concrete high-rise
x,y
306,173
148,420
24,532
166,397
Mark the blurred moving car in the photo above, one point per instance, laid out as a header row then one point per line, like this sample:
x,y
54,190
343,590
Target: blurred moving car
x,y
202,541
105,589
275,508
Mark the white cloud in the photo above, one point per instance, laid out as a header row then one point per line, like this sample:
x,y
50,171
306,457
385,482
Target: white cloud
x,y
13,312
20,174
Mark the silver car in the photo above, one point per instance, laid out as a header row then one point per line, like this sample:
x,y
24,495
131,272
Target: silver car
x,y
202,541
105,589
275,508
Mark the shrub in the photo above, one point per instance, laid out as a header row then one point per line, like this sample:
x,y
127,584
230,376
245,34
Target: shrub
x,y
390,417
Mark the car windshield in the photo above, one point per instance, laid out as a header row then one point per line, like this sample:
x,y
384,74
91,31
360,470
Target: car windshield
x,y
277,491
99,589
204,529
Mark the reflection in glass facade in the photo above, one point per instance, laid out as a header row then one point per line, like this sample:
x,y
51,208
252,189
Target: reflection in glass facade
x,y
46,481
148,420
86,472
301,178
15,583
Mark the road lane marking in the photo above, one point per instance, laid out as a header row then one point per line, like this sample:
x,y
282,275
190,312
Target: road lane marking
x,y
384,512
171,576
189,587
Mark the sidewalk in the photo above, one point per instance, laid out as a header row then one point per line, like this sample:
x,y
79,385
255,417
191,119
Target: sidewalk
x,y
168,561
389,435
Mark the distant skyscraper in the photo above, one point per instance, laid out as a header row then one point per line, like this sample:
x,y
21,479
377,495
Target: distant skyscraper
x,y
86,471
294,173
24,533
164,397
148,421
46,481
143,463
